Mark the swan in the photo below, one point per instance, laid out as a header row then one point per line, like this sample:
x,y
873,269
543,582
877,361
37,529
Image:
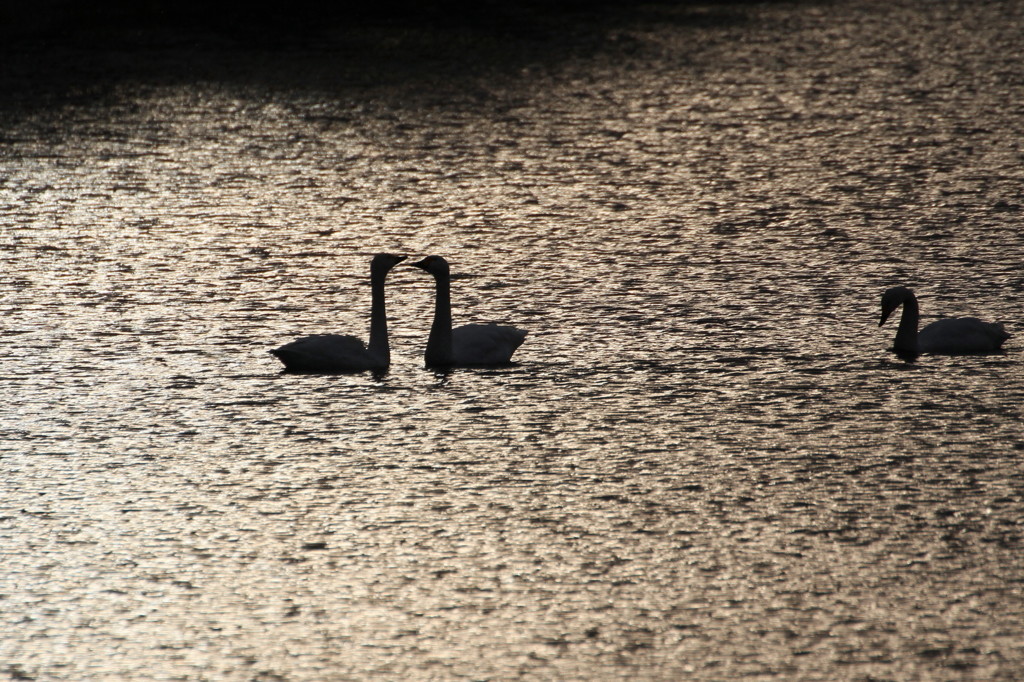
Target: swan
x,y
471,344
338,353
950,336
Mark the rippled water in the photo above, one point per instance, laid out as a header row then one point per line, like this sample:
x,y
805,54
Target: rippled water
x,y
706,462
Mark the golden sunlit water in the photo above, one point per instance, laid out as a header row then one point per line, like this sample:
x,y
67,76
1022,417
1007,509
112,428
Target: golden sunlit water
x,y
706,463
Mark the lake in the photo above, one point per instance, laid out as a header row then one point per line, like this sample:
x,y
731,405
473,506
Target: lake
x,y
705,463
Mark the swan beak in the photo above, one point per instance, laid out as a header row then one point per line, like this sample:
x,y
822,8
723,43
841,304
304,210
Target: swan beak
x,y
885,316
423,264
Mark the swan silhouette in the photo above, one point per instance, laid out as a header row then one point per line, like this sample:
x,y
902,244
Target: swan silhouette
x,y
950,336
468,345
335,353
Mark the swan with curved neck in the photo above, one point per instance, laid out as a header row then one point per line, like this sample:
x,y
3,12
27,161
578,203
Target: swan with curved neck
x,y
468,345
950,336
342,353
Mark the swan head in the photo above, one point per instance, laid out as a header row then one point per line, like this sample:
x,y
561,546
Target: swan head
x,y
435,265
383,262
892,299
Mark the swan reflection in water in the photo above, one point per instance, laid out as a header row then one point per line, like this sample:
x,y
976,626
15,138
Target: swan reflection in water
x,y
337,353
469,345
949,336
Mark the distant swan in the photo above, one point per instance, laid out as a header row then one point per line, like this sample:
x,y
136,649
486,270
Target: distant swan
x,y
950,336
338,353
471,344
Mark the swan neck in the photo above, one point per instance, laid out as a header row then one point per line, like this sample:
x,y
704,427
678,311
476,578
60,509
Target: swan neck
x,y
378,345
439,343
906,335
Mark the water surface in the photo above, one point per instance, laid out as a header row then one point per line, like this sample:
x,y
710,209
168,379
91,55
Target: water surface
x,y
706,464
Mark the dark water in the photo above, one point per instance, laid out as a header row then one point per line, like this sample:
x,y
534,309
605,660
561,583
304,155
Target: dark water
x,y
706,464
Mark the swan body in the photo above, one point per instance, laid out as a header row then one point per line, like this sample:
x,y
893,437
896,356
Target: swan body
x,y
336,353
950,336
468,345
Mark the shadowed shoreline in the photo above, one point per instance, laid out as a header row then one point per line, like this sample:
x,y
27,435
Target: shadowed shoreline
x,y
59,50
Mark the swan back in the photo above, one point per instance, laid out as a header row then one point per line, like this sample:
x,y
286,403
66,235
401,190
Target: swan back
x,y
485,344
961,335
327,353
